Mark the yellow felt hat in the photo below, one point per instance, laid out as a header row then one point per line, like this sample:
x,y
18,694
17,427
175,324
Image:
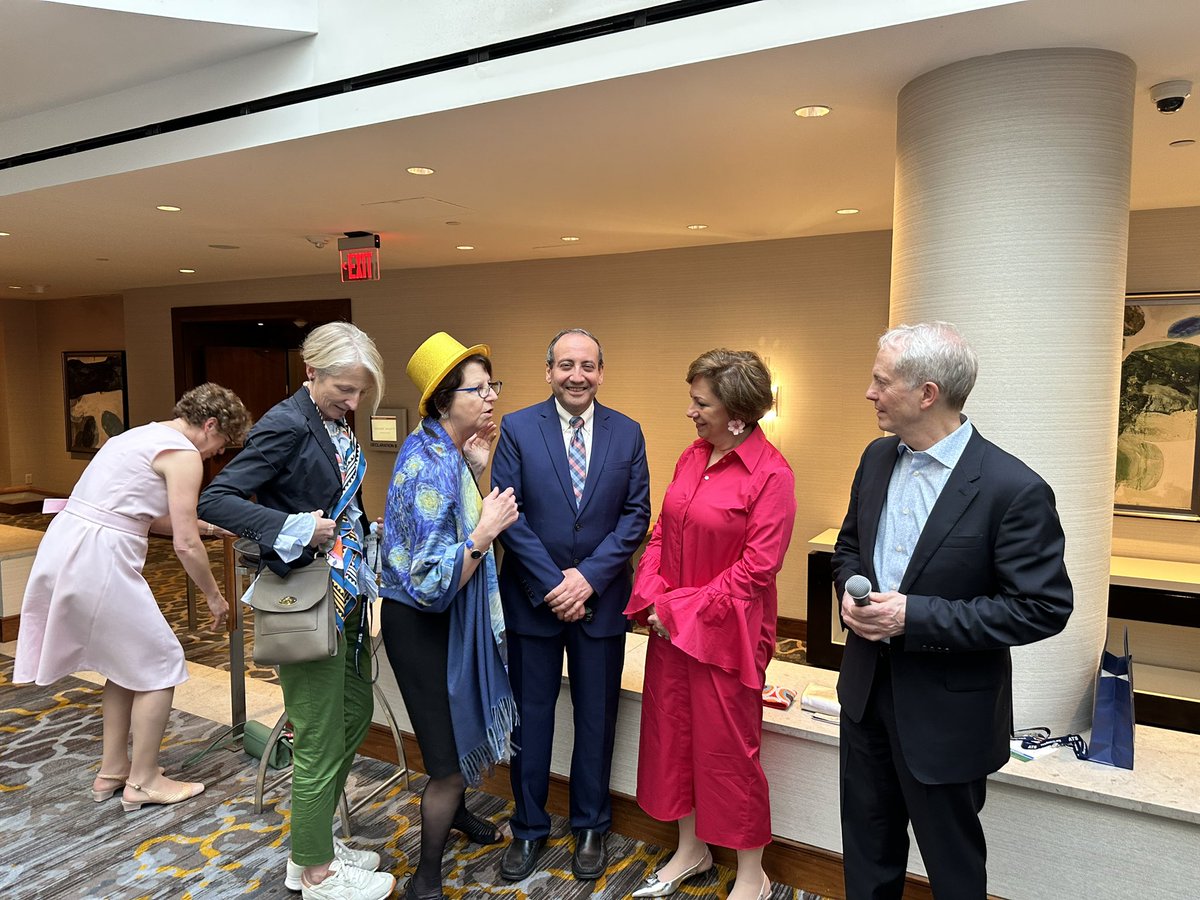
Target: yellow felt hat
x,y
433,361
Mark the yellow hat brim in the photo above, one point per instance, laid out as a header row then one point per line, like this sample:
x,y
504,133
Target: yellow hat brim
x,y
435,359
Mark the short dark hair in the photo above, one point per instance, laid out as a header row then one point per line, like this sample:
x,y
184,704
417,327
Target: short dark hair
x,y
587,334
211,401
443,394
739,378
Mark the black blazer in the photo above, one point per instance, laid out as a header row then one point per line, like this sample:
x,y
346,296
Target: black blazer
x,y
987,574
288,465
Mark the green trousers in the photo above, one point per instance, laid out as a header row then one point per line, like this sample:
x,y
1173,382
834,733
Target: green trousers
x,y
330,708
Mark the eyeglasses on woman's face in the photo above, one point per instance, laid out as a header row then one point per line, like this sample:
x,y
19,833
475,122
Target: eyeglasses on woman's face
x,y
489,387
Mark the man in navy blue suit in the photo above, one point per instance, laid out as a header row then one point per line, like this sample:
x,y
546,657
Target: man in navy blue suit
x,y
579,473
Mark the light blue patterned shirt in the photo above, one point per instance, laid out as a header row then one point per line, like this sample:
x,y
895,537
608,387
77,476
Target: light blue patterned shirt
x,y
916,483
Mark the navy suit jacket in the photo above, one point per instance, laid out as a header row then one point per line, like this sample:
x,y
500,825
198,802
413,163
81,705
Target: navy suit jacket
x,y
986,574
288,465
551,534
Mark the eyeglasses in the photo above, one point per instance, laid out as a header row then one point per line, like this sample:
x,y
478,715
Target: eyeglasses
x,y
482,390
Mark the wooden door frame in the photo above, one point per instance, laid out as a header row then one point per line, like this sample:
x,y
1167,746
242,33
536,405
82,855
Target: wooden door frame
x,y
314,312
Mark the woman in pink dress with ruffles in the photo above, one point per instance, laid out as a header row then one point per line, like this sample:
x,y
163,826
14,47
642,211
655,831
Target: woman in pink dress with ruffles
x,y
87,606
706,587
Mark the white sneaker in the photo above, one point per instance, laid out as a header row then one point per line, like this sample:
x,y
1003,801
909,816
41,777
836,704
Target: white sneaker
x,y
345,882
367,860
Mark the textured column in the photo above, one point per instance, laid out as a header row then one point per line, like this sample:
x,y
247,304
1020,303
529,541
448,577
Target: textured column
x,y
1011,220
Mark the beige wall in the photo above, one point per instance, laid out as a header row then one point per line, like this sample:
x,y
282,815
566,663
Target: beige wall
x,y
35,334
813,305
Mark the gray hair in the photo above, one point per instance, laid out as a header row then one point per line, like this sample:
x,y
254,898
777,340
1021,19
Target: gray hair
x,y
566,331
337,346
937,352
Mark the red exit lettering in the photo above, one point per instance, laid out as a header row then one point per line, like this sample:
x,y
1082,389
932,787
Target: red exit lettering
x,y
359,265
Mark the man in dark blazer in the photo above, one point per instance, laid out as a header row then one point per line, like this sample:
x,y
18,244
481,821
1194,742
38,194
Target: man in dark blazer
x,y
964,552
583,488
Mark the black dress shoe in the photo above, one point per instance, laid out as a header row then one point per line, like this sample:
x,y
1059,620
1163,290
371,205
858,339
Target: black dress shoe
x,y
410,893
591,855
520,858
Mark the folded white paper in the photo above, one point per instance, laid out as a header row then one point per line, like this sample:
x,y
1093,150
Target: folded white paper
x,y
821,700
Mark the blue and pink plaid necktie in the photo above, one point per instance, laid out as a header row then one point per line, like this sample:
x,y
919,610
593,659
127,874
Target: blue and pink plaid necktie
x,y
577,458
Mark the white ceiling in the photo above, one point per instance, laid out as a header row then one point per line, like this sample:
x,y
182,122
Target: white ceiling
x,y
58,53
624,164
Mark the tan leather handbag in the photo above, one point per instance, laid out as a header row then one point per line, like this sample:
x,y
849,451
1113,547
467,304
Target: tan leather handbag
x,y
294,616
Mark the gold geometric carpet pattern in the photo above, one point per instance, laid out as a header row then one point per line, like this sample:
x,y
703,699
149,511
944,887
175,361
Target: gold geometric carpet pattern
x,y
59,844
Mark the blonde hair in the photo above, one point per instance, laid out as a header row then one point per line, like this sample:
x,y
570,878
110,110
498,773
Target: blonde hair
x,y
211,401
739,378
333,348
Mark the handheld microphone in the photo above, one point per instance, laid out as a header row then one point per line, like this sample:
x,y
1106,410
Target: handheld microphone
x,y
857,586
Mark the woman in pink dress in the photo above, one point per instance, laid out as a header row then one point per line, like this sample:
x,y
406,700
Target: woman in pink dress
x,y
706,587
87,606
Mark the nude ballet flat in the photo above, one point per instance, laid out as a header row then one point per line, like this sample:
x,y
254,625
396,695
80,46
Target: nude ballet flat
x,y
655,887
187,792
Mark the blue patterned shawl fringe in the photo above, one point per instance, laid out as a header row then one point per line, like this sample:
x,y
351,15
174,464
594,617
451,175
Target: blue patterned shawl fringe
x,y
482,760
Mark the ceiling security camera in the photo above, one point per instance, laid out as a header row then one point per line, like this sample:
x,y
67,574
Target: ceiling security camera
x,y
1169,95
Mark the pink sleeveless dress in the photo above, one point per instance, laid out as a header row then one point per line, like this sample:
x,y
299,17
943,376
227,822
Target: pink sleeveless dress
x,y
87,606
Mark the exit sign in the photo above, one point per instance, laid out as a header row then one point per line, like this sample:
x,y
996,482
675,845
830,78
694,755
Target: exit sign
x,y
360,265
359,252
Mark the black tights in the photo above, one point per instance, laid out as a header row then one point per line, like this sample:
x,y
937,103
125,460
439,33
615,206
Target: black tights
x,y
440,804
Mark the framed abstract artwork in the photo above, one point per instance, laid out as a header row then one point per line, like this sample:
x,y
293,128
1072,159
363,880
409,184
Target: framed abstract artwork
x,y
1158,456
96,398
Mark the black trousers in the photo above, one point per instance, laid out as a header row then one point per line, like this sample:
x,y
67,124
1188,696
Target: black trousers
x,y
880,796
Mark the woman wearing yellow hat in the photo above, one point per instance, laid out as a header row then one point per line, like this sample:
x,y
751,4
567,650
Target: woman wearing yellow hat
x,y
444,630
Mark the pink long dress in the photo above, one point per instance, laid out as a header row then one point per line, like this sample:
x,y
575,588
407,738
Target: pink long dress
x,y
87,606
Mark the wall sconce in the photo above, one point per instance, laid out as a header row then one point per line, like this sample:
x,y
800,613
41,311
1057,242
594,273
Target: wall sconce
x,y
770,421
772,414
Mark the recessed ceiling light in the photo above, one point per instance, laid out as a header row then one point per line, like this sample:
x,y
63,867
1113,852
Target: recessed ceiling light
x,y
224,247
813,112
697,227
453,223
260,323
419,170
569,238
1184,143
848,211
14,287
187,271
5,234
168,208
465,247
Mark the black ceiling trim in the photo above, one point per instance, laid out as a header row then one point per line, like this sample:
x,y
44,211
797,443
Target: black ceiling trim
x,y
654,15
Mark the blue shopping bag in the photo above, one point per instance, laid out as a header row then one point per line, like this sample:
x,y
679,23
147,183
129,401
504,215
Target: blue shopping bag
x,y
1112,711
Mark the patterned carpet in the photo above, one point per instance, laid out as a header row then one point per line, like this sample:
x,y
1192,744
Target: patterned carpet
x,y
62,845
59,844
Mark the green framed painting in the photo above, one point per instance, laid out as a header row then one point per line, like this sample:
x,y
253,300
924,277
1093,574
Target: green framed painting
x,y
1158,456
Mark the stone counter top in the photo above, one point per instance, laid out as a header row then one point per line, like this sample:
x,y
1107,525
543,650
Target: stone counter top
x,y
16,542
1165,782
